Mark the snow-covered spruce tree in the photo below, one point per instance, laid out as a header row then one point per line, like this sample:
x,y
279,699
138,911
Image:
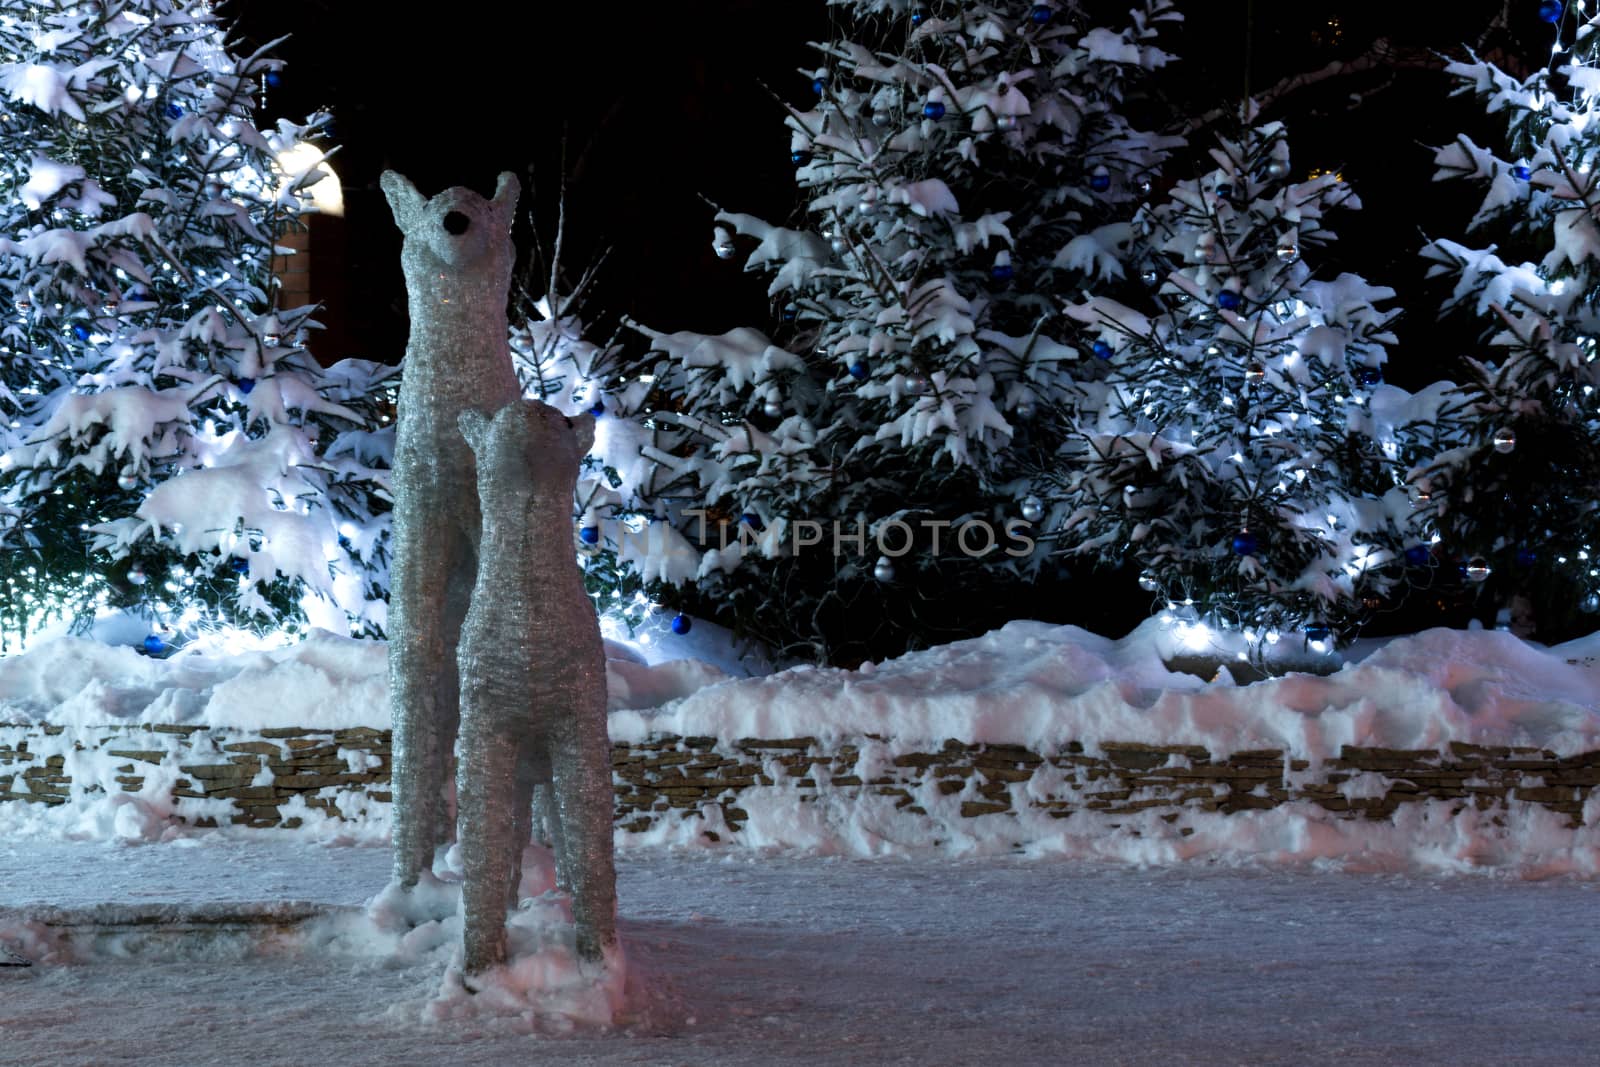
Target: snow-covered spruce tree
x,y
1227,444
171,447
965,166
1509,493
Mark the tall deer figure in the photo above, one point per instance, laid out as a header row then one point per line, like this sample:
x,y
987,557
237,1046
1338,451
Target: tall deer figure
x,y
457,257
533,684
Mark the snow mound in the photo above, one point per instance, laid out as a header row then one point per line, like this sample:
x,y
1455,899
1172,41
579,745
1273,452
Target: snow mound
x,y
326,681
1045,686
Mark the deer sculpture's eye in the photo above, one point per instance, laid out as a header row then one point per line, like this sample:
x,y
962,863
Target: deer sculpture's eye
x,y
456,224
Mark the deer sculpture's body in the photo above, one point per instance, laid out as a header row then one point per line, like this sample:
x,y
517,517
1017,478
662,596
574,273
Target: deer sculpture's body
x,y
533,684
457,259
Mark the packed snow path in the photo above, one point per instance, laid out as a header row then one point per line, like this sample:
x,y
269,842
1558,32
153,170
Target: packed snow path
x,y
738,958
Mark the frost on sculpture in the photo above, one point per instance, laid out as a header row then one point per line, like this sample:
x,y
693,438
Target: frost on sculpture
x,y
533,683
457,257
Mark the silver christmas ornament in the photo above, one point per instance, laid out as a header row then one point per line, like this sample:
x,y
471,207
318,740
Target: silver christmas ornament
x,y
1477,569
1254,372
1032,508
1504,440
839,244
771,409
457,259
1277,168
24,303
127,480
883,570
109,307
1005,122
533,685
1027,409
1590,604
137,575
271,340
1288,252
723,248
1148,582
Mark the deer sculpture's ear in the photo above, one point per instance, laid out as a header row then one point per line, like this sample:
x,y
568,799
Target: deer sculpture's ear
x,y
583,430
404,200
506,191
474,426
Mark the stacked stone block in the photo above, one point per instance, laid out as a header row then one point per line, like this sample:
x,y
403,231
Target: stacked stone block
x,y
338,771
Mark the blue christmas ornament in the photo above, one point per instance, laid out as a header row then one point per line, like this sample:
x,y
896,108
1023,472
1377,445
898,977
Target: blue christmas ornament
x,y
918,16
1100,181
154,645
1102,350
682,624
1368,376
589,535
1002,272
1225,191
80,331
174,111
1041,14
1228,300
819,85
246,385
752,520
1317,631
1521,173
273,78
346,544
240,566
859,370
599,407
933,109
1417,556
1245,543
788,313
1550,10
1526,557
800,157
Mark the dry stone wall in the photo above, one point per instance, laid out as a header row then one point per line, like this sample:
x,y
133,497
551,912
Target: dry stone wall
x,y
276,777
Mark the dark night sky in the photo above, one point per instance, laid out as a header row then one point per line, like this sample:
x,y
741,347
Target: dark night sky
x,y
666,103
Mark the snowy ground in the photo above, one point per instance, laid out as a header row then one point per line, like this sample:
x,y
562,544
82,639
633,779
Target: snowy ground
x,y
738,957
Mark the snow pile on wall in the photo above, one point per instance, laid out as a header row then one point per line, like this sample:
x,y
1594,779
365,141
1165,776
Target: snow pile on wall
x,y
1045,686
324,682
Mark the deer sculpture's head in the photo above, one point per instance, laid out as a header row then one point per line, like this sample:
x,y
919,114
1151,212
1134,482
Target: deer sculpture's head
x,y
527,451
457,254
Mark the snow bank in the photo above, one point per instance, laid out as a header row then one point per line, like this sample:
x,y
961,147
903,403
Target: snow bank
x,y
324,682
1044,686
1522,840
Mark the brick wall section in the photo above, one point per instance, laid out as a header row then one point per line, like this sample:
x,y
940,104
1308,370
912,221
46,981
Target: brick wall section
x,y
673,777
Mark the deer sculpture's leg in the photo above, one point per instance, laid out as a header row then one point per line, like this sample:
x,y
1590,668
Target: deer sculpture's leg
x,y
582,755
424,624
490,851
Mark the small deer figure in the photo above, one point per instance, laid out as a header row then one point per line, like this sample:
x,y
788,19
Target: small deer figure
x,y
533,684
458,258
